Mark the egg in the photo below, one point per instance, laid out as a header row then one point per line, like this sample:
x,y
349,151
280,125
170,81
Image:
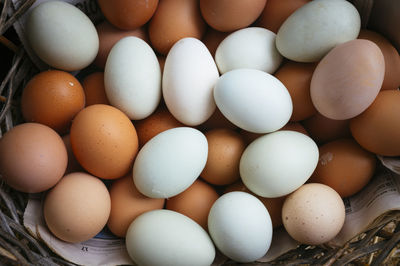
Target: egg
x,y
164,237
104,141
132,78
33,157
278,163
252,47
240,226
225,147
188,81
314,214
70,47
315,28
174,20
52,98
95,92
347,80
212,38
170,162
253,100
195,202
77,208
216,120
127,203
73,165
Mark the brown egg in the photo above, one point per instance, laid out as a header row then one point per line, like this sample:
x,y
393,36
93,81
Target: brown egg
x,y
323,129
392,58
297,78
161,61
109,35
128,14
378,128
225,147
93,86
52,98
174,20
73,165
195,202
273,205
33,157
277,11
212,39
217,120
104,141
230,15
77,208
127,203
344,166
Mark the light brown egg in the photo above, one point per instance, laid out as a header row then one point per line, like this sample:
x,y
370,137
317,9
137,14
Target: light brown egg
x,y
217,120
378,128
77,208
127,203
33,157
195,202
52,98
174,20
93,86
344,166
104,141
73,165
230,15
212,38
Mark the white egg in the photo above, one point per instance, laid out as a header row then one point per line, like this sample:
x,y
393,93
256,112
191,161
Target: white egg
x,y
240,226
163,237
315,28
248,48
278,163
253,100
188,81
132,78
62,35
170,162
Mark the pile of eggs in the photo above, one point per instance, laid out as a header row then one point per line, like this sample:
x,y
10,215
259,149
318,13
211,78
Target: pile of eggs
x,y
212,123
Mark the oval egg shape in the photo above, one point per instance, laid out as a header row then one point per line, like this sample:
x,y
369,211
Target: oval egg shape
x,y
132,78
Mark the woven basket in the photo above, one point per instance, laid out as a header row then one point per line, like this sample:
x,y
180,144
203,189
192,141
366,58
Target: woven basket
x,y
379,245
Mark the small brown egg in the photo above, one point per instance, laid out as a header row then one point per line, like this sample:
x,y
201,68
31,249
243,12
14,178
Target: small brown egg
x,y
93,86
297,78
213,38
230,15
73,165
127,203
174,20
52,98
344,166
378,128
104,141
225,147
77,208
195,202
128,14
33,157
217,120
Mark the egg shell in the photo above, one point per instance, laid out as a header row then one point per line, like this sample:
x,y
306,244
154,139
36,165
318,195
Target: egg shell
x,y
164,237
33,157
170,162
77,208
95,92
132,78
188,81
315,28
240,226
314,214
73,165
347,80
216,120
278,163
62,35
253,100
212,38
252,47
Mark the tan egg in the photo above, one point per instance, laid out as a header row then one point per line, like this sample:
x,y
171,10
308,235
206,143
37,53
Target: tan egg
x,y
344,166
217,120
73,165
230,15
93,86
127,203
77,208
225,147
212,38
174,20
104,141
33,157
195,202
161,61
297,78
378,128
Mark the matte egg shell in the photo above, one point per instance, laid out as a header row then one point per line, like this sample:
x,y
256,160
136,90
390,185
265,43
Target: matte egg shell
x,y
95,92
73,165
212,38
